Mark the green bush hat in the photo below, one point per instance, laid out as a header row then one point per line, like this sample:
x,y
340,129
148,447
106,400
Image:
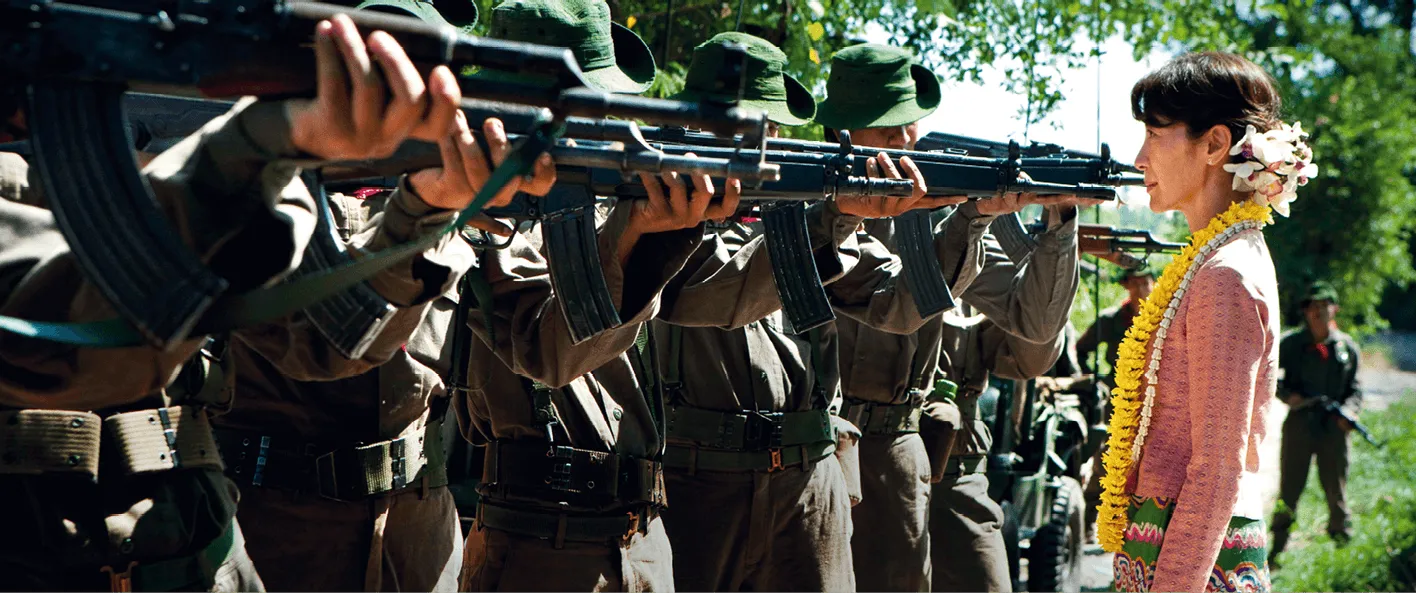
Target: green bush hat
x,y
613,58
877,86
768,88
464,17
1320,291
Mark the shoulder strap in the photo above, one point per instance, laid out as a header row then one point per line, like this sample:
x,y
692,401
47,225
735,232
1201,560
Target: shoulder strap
x,y
818,368
650,386
673,366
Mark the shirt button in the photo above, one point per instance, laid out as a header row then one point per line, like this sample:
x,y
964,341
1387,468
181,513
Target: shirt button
x,y
762,375
618,414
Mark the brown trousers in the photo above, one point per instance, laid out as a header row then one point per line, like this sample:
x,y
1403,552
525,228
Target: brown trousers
x,y
60,531
402,542
500,561
891,540
965,529
789,530
1308,434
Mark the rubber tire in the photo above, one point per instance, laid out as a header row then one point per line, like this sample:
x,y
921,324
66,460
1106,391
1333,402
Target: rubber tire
x,y
1010,543
1055,556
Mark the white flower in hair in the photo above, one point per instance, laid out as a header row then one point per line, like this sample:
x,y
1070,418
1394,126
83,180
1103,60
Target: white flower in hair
x,y
1250,132
1273,165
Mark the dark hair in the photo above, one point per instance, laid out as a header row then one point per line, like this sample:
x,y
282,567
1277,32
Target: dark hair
x,y
1207,89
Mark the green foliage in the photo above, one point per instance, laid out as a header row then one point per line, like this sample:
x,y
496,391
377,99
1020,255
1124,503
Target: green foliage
x,y
1383,504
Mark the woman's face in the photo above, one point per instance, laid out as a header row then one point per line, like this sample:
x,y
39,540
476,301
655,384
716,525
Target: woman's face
x,y
1174,165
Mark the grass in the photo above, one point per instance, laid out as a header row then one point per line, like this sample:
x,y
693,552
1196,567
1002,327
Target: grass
x,y
1381,495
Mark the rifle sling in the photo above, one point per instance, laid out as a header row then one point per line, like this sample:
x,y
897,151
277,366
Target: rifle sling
x,y
235,311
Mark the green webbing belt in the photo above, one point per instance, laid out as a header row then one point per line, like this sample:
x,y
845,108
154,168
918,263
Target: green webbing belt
x,y
234,311
733,430
694,458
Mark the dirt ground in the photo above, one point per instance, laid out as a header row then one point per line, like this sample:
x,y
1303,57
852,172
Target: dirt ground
x,y
1388,373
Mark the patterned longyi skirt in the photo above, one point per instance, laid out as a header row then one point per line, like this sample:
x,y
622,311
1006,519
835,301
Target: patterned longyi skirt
x,y
1242,564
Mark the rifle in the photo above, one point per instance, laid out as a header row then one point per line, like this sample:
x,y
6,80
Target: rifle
x,y
1043,162
569,234
1117,245
1330,406
75,59
804,298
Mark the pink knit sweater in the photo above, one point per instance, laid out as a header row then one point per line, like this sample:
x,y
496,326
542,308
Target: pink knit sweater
x,y
1216,380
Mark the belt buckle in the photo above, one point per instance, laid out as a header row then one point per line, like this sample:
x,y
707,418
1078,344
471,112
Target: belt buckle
x,y
324,468
776,455
762,431
120,581
632,529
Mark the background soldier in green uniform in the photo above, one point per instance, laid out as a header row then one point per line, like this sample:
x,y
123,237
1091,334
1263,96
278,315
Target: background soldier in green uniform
x,y
122,521
1319,367
1111,325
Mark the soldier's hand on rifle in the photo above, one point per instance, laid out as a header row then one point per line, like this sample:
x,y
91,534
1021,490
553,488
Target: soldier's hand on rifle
x,y
465,169
888,206
369,97
1344,424
671,206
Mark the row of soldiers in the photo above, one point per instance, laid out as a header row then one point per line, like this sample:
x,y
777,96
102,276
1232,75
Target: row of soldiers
x,y
702,445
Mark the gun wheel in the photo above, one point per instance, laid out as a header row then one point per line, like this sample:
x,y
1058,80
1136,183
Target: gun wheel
x,y
1055,556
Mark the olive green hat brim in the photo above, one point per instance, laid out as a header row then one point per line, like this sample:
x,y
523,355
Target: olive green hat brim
x,y
633,71
798,108
839,116
422,10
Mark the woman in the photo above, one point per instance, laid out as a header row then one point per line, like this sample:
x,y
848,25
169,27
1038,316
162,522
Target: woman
x,y
1197,371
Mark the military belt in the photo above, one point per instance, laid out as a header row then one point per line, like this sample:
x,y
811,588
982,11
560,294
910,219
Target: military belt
x,y
144,441
348,473
967,464
748,431
695,458
560,527
566,475
874,418
176,573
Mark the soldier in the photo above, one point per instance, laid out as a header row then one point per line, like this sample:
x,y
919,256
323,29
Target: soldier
x,y
879,94
573,477
1319,368
121,522
750,434
1111,324
342,467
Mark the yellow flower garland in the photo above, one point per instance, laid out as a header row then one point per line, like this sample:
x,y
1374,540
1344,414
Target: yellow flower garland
x,y
1127,397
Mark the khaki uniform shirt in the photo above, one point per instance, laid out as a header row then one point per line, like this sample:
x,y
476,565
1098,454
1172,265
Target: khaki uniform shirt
x,y
237,173
1013,322
756,364
603,410
291,382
